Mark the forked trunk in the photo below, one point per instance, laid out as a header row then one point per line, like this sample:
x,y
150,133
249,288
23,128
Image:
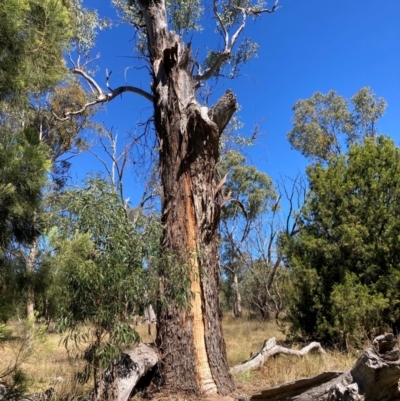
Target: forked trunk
x,y
189,338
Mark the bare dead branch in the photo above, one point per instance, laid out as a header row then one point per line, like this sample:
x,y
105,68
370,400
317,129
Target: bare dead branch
x,y
270,348
101,97
89,80
226,199
223,110
254,11
225,32
209,73
239,30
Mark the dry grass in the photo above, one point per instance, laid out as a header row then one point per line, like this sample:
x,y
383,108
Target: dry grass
x,y
46,364
245,337
284,368
49,360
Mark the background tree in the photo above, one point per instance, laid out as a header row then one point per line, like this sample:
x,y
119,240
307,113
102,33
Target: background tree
x,y
62,141
33,36
348,234
247,194
325,125
265,284
24,164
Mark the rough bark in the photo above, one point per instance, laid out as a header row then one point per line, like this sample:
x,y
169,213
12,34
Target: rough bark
x,y
189,338
270,348
374,377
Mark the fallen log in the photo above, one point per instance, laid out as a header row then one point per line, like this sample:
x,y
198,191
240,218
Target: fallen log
x,y
374,377
132,366
270,348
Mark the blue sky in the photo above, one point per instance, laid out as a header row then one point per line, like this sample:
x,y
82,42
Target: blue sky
x,y
306,46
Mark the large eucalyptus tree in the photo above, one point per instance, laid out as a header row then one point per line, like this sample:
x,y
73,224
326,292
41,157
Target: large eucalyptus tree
x,y
189,336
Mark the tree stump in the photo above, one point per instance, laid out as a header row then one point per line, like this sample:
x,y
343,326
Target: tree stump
x,y
374,377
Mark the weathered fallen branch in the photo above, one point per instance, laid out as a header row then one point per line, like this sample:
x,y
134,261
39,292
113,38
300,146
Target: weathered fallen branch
x,y
374,377
270,348
132,366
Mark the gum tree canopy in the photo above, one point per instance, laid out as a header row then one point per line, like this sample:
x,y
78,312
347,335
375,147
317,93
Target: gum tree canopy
x,y
189,338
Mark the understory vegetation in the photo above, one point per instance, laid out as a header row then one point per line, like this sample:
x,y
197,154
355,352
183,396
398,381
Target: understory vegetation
x,y
50,365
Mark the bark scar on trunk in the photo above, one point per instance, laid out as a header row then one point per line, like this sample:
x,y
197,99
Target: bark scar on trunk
x,y
170,57
205,378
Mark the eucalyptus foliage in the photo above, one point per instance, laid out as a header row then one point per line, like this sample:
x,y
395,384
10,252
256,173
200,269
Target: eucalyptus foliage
x,y
251,196
253,188
325,125
100,257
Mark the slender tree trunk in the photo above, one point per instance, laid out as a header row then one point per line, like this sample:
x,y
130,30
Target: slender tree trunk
x,y
190,339
237,302
30,266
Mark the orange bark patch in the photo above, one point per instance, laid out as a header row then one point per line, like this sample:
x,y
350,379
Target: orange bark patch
x,y
205,379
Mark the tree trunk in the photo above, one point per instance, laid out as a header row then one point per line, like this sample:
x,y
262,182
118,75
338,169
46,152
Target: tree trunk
x,y
189,335
237,299
30,267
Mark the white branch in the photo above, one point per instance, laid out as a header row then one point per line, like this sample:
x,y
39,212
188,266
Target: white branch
x,y
239,31
101,97
89,79
270,348
210,71
226,36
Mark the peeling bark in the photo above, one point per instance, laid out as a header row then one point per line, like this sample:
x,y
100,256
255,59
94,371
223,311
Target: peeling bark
x,y
374,377
270,348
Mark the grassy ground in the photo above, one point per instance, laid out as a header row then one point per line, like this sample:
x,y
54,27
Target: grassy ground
x,y
245,336
50,365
